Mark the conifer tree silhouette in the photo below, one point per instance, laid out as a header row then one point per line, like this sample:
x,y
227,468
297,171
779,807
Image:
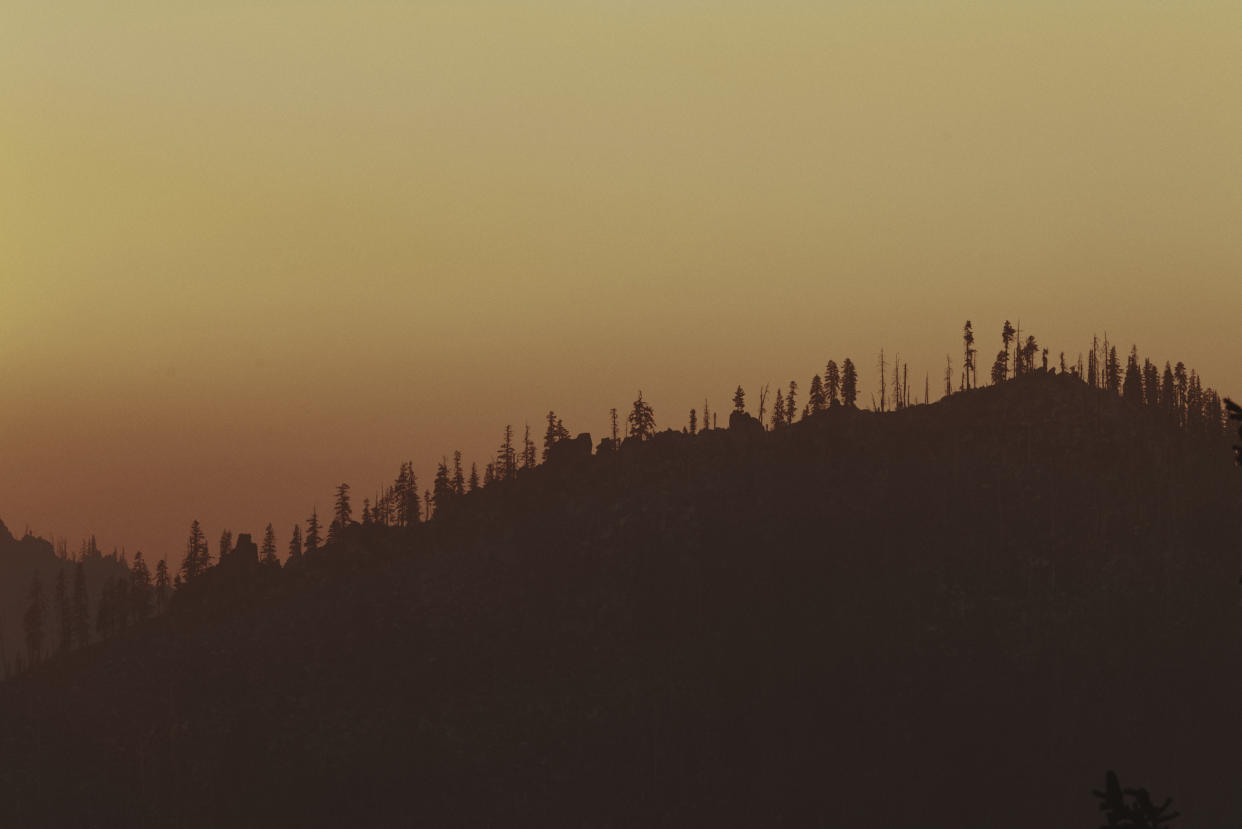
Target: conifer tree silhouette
x,y
1194,402
1168,391
528,450
555,433
1093,364
739,400
474,477
1000,368
404,500
816,398
1151,383
226,545
195,561
968,364
313,539
343,513
442,486
459,475
1181,383
694,422
832,384
790,407
267,552
161,585
1213,413
849,384
1029,349
1007,336
410,495
140,588
1112,372
506,458
295,544
642,418
382,510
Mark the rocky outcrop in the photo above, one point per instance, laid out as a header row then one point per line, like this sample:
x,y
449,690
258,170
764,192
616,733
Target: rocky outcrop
x,y
570,451
744,424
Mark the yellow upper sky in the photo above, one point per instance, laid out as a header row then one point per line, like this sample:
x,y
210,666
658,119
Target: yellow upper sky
x,y
248,251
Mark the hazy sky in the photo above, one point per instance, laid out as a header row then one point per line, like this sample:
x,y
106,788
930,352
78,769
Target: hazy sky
x,y
251,250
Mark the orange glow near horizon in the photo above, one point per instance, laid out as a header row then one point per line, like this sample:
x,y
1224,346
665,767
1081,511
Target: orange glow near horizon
x,y
249,253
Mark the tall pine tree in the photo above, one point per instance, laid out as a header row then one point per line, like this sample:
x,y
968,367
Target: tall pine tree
x,y
161,586
343,513
506,457
1132,386
313,538
816,398
642,418
267,552
555,433
849,384
295,545
196,555
832,384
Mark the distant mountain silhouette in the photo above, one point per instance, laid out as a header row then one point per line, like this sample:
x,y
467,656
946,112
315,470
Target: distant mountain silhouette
x,y
953,615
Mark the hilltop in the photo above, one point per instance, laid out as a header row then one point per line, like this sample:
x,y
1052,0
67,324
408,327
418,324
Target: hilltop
x,y
953,615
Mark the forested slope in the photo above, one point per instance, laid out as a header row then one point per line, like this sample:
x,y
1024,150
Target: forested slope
x,y
31,563
953,615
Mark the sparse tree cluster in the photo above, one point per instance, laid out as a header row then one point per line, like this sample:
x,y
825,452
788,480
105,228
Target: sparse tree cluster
x,y
1177,391
555,433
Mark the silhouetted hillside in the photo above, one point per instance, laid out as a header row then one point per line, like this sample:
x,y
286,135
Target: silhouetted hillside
x,y
953,615
20,560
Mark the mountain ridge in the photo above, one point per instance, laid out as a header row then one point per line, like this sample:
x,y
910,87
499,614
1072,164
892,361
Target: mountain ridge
x,y
714,628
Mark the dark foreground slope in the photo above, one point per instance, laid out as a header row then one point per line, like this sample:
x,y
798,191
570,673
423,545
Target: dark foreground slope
x,y
957,615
